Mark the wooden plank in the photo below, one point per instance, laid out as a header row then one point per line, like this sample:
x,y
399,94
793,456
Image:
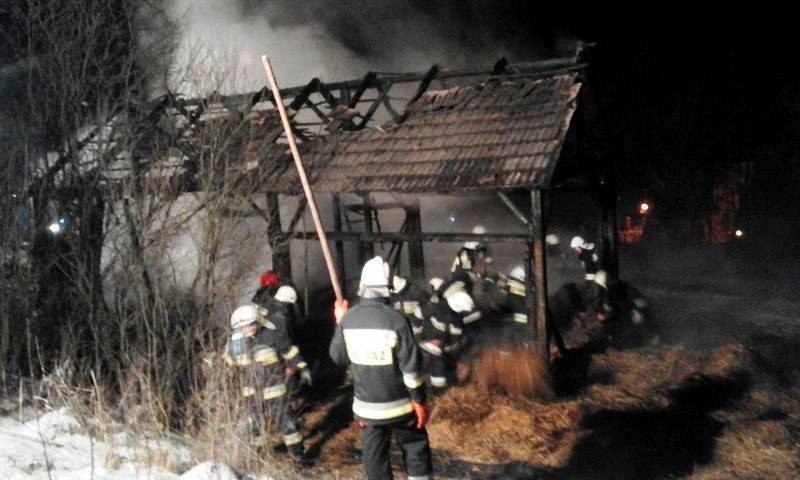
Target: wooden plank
x,y
443,237
511,206
539,275
416,255
339,246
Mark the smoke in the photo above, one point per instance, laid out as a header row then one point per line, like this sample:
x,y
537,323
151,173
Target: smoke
x,y
345,39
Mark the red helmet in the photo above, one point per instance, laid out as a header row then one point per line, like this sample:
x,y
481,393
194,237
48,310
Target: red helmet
x,y
268,279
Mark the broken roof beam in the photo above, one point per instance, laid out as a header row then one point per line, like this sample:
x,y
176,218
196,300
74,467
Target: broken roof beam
x,y
445,237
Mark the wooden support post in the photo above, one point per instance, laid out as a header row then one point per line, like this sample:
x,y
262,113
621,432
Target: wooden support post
x,y
278,241
416,256
368,248
339,246
539,275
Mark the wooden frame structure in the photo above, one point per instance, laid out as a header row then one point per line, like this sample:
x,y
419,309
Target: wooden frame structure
x,y
497,130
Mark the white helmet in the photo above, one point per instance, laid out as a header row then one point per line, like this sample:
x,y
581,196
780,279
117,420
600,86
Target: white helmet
x,y
286,294
243,316
375,276
518,273
399,283
577,242
474,245
435,283
461,302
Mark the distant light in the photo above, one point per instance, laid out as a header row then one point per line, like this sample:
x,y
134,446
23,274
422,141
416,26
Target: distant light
x,y
644,207
55,228
738,233
451,219
551,239
62,221
13,195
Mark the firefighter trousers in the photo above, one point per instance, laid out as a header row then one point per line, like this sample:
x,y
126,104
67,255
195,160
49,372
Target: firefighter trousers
x,y
413,442
279,411
442,370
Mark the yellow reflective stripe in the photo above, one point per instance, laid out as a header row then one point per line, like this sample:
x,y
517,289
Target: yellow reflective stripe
x,y
520,318
368,346
439,381
273,392
242,360
472,317
291,353
302,365
516,288
293,438
375,412
410,307
413,380
265,356
441,326
248,391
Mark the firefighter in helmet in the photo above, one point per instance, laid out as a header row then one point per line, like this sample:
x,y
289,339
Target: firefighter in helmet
x,y
443,337
265,357
516,299
588,256
472,257
389,387
407,299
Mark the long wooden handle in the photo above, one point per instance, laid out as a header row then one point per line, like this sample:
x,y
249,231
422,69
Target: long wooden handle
x,y
287,128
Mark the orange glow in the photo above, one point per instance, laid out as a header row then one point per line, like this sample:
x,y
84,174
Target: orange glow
x,y
644,207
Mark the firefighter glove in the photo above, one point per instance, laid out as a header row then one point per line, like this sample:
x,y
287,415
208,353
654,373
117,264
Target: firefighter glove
x,y
339,309
422,414
305,377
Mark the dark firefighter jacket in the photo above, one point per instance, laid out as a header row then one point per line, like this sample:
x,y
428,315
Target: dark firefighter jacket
x,y
261,358
408,302
589,258
265,297
517,300
443,329
387,365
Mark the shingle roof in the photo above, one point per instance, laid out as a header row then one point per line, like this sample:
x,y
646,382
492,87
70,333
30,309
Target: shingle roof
x,y
503,134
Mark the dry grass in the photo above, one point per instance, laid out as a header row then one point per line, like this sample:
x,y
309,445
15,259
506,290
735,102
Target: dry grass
x,y
517,372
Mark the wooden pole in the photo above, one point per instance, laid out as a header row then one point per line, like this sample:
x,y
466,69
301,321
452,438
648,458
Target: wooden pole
x,y
539,275
312,204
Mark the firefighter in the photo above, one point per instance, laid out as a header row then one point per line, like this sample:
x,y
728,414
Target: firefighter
x,y
387,377
472,257
443,336
516,299
591,261
624,315
268,283
407,299
271,288
265,358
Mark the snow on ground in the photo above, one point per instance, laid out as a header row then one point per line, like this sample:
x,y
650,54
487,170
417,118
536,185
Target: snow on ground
x,y
54,446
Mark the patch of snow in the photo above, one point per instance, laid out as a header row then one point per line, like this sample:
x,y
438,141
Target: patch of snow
x,y
211,471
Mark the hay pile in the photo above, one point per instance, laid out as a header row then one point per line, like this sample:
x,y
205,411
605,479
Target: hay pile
x,y
492,420
643,379
481,426
517,372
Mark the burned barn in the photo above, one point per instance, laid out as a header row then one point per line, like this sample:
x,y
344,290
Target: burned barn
x,y
510,132
523,134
